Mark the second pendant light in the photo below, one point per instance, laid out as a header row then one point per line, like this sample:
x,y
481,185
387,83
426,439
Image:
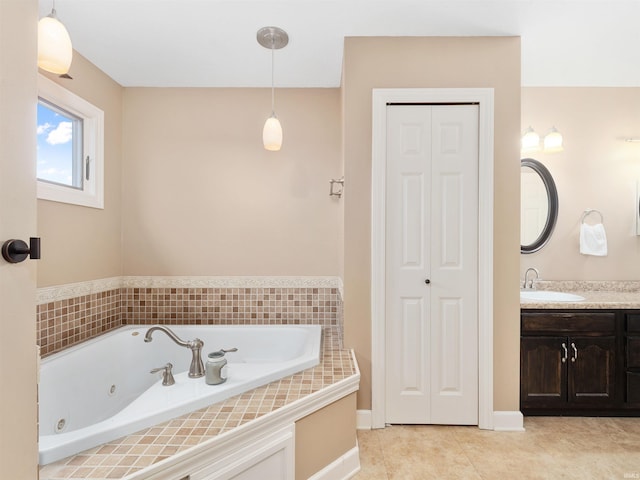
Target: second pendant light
x,y
273,38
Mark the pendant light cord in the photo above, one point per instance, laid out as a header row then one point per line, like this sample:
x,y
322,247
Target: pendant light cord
x,y
273,110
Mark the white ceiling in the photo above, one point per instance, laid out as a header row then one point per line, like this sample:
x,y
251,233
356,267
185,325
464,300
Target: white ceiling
x,y
212,43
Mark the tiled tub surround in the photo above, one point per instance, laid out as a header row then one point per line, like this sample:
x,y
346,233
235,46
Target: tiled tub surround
x,y
597,294
149,451
64,323
70,314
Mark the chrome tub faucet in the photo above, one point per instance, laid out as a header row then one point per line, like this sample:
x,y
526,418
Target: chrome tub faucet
x,y
196,369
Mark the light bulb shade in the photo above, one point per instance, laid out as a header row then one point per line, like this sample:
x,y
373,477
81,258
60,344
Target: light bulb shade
x,y
553,141
54,46
272,134
530,141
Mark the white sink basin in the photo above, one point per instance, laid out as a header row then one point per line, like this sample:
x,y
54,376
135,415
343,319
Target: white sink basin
x,y
547,296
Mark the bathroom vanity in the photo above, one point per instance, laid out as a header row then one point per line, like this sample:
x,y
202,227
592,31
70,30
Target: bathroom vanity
x,y
581,358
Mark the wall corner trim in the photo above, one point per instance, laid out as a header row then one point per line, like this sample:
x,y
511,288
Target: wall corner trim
x,y
342,468
363,419
506,421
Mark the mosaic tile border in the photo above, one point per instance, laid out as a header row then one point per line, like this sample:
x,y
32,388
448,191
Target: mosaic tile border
x,y
231,306
64,323
71,290
100,306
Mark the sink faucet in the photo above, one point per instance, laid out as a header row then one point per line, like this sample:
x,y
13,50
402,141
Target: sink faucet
x,y
196,369
526,274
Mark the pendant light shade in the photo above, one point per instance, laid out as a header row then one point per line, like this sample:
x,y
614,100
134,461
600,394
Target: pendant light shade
x,y
273,38
272,134
54,45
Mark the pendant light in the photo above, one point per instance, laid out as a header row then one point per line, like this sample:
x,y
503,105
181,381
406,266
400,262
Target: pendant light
x,y
273,38
54,44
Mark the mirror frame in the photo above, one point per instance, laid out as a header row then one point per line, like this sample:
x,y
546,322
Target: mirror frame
x,y
552,197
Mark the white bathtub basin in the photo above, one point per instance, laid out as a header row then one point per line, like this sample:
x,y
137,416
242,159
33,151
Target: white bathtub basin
x,y
102,389
548,296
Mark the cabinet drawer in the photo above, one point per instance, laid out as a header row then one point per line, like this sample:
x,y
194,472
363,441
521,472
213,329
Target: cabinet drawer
x,y
633,352
565,322
633,387
633,322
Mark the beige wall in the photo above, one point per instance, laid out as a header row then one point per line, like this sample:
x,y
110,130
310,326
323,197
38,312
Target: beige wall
x,y
18,433
433,62
81,243
596,170
324,436
202,197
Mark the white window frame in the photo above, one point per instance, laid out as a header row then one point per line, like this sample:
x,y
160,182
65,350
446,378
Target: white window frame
x,y
92,193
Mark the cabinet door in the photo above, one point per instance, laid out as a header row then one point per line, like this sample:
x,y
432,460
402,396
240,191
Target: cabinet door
x,y
543,371
592,370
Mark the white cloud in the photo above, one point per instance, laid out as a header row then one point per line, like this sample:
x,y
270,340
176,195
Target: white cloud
x,y
61,134
44,128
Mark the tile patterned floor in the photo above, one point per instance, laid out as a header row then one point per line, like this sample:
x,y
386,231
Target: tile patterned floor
x,y
127,455
551,448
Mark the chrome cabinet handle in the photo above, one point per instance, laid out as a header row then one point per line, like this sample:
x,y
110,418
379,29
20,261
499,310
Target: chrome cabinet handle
x,y
575,352
566,352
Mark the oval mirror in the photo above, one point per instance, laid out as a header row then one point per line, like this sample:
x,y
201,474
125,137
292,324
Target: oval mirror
x,y
538,205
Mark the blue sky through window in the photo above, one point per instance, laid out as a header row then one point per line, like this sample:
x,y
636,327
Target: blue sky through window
x,y
56,132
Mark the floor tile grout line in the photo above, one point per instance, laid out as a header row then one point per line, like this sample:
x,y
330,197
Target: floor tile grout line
x,y
463,448
378,432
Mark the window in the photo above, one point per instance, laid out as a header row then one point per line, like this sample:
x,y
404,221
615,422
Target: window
x,y
70,134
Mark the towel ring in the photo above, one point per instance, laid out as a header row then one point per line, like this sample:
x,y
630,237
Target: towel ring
x,y
588,212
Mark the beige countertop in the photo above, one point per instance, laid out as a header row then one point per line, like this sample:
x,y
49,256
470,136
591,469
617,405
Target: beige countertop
x,y
597,295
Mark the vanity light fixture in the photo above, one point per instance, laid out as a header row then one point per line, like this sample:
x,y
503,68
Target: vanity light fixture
x,y
553,141
54,44
273,38
530,141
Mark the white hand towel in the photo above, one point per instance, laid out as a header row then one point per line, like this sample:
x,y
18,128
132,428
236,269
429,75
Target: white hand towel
x,y
593,240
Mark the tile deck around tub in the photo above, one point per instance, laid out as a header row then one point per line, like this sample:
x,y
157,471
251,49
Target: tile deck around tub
x,y
130,454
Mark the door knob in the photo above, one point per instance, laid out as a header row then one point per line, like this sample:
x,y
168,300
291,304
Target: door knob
x,y
15,251
427,281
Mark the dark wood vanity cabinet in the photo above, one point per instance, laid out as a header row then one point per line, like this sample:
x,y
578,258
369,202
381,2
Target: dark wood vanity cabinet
x,y
632,358
570,362
561,370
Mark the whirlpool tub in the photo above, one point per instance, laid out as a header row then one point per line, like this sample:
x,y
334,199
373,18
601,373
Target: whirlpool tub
x,y
103,389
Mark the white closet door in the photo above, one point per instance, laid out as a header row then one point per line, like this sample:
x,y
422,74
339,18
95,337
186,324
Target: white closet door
x,y
431,264
408,264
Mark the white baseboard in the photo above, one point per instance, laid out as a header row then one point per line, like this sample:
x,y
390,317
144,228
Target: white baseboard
x,y
363,419
343,468
504,421
508,421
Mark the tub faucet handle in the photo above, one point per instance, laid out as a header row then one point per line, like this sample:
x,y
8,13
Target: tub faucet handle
x,y
167,376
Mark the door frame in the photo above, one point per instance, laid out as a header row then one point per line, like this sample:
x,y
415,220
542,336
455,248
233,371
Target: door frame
x,y
485,99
